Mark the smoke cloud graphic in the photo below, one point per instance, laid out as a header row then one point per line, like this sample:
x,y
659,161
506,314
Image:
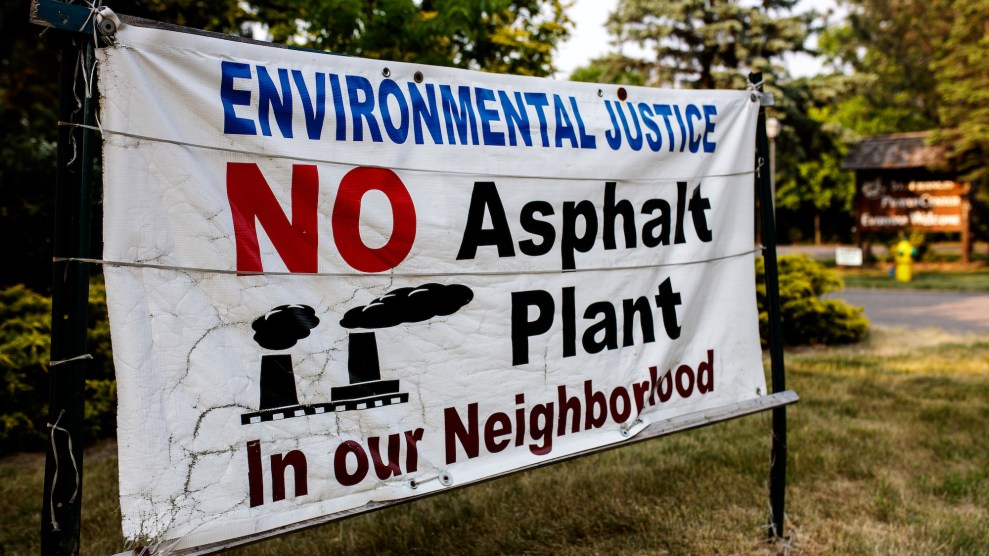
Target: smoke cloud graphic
x,y
404,305
284,325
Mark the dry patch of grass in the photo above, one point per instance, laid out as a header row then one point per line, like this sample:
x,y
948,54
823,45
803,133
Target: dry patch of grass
x,y
887,456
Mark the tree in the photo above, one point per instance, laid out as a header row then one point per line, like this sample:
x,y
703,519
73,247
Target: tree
x,y
890,47
709,44
504,36
818,183
28,105
962,72
811,184
222,16
923,65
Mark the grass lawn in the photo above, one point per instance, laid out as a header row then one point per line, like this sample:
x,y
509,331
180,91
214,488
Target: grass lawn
x,y
925,277
888,455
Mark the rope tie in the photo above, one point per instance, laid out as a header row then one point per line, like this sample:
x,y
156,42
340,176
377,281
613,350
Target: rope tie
x,y
75,468
64,361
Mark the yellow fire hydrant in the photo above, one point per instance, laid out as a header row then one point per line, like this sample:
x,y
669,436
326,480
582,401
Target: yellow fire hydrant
x,y
904,260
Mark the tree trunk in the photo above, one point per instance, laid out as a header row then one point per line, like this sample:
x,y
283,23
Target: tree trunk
x,y
817,228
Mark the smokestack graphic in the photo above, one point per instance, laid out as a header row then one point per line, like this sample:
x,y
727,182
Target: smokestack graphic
x,y
279,329
403,305
362,357
282,327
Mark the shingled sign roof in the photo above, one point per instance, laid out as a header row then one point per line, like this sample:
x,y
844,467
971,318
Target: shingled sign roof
x,y
901,150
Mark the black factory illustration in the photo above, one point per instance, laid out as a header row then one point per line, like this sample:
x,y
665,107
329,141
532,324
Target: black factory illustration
x,y
281,328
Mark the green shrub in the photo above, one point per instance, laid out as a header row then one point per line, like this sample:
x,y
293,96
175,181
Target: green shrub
x,y
806,318
25,328
101,382
25,339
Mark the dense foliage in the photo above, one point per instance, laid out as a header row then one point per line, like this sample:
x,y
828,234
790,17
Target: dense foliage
x,y
28,105
806,318
507,36
708,44
919,65
25,328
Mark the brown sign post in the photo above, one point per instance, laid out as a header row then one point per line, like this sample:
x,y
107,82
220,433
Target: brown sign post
x,y
926,205
902,185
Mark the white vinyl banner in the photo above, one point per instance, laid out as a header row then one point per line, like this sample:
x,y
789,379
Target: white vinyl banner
x,y
336,282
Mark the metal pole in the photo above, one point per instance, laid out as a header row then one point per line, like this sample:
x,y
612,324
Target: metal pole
x,y
772,170
777,468
61,508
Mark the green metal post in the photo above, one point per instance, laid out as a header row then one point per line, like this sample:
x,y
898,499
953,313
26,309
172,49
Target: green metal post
x,y
61,509
767,218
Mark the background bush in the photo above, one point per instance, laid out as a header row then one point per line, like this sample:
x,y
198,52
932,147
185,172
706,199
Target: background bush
x,y
25,338
806,318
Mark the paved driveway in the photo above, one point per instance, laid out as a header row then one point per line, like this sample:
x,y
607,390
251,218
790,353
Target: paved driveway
x,y
951,311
